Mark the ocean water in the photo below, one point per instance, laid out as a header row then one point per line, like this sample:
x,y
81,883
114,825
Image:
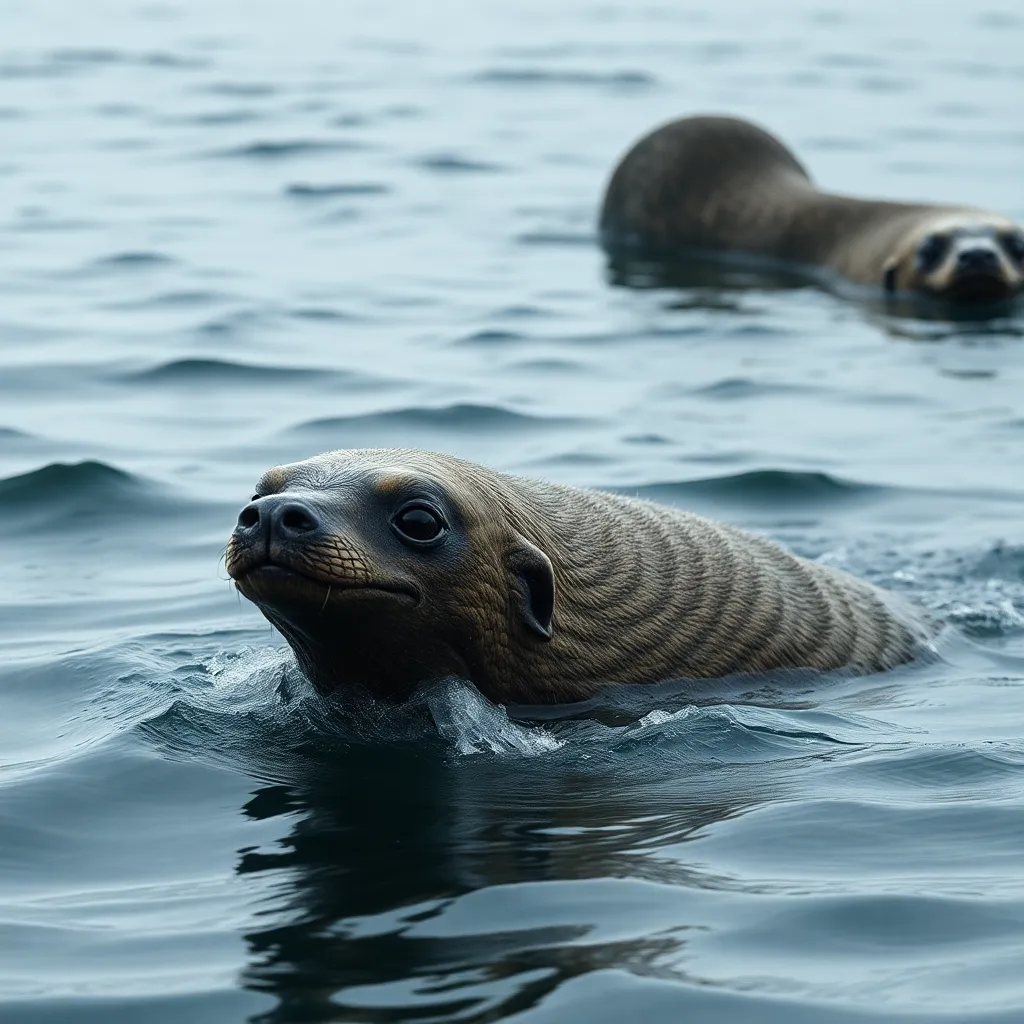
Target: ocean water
x,y
235,234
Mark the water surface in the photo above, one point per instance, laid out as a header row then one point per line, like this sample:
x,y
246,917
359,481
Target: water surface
x,y
240,234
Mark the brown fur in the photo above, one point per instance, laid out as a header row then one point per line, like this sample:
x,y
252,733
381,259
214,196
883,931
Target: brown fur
x,y
642,592
720,183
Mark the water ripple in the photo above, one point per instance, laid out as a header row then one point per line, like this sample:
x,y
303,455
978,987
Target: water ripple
x,y
455,419
235,239
284,149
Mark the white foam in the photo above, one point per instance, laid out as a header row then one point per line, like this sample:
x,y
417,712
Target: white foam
x,y
249,676
472,724
656,718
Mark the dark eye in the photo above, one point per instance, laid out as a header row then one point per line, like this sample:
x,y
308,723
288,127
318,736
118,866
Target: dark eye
x,y
419,524
1013,243
256,497
930,252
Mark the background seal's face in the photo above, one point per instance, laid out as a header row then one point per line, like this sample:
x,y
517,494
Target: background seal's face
x,y
378,576
962,262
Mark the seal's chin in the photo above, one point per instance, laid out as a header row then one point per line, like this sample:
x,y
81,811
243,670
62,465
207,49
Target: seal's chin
x,y
344,633
978,287
285,588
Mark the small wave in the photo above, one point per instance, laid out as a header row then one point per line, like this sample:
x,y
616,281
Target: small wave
x,y
242,320
39,220
368,188
323,314
552,365
198,372
67,480
99,57
772,487
968,373
997,619
491,337
88,55
60,493
837,144
219,118
217,371
738,735
132,261
18,68
956,769
545,77
849,61
253,711
453,419
1001,561
570,239
449,163
553,464
980,592
285,149
732,388
890,84
524,311
646,439
174,300
245,90
9,434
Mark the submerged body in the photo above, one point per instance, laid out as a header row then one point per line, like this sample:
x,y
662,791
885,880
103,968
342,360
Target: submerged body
x,y
385,568
721,184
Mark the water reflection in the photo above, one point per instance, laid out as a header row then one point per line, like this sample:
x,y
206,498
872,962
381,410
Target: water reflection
x,y
711,281
415,886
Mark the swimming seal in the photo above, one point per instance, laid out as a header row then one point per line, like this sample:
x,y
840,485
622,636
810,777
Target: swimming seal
x,y
385,568
723,184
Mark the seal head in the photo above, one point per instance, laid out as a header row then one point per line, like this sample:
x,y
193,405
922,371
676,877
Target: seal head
x,y
959,259
381,574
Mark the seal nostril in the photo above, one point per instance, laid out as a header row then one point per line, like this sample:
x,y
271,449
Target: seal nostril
x,y
249,517
298,519
977,259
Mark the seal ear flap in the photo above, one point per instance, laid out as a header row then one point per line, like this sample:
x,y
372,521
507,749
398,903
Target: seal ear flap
x,y
889,274
536,579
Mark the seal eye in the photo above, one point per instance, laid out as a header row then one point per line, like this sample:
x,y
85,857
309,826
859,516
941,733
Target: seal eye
x,y
1013,243
256,497
930,252
419,524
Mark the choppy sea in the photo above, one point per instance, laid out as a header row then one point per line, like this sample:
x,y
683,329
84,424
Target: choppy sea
x,y
235,234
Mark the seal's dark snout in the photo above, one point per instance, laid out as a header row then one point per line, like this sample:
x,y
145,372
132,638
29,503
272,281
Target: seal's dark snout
x,y
278,517
979,258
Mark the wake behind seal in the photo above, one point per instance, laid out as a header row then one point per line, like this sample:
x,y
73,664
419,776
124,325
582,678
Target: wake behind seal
x,y
724,185
387,568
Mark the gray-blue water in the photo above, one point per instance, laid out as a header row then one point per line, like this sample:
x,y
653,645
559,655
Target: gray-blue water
x,y
234,234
